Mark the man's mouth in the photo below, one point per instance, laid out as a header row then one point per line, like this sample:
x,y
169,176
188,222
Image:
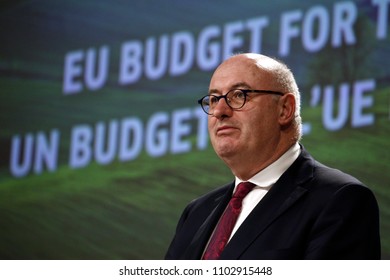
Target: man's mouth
x,y
225,129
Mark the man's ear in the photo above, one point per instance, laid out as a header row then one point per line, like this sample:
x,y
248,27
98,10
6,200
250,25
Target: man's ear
x,y
286,109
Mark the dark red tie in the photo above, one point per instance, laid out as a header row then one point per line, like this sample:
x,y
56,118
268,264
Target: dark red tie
x,y
226,224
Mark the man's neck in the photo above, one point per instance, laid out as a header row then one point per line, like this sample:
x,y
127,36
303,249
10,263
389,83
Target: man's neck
x,y
247,168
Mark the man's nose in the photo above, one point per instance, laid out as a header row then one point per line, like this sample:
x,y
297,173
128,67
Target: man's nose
x,y
222,109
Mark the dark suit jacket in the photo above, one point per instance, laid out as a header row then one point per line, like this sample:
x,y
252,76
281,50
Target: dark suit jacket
x,y
312,212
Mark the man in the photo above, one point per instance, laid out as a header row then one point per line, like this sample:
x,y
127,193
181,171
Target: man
x,y
296,208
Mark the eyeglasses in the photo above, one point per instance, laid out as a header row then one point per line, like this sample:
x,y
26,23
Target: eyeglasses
x,y
234,98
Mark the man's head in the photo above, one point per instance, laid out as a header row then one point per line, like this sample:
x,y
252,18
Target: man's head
x,y
250,138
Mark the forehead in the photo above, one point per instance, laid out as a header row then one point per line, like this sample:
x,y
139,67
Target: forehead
x,y
238,71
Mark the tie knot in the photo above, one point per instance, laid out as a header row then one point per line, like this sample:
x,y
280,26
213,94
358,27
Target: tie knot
x,y
243,189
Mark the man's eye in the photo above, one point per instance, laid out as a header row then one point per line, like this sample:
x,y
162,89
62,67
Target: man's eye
x,y
238,94
213,100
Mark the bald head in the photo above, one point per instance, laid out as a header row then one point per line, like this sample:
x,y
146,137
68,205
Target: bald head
x,y
274,74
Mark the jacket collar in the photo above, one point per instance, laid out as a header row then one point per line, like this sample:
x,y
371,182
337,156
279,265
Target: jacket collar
x,y
286,191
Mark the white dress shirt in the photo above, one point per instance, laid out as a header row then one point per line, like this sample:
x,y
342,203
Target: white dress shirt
x,y
264,180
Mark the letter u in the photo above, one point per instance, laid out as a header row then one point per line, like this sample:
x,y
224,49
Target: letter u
x,y
17,168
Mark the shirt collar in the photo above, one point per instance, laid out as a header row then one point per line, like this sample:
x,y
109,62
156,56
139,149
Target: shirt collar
x,y
267,177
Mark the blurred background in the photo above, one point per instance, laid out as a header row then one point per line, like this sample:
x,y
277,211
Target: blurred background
x,y
102,143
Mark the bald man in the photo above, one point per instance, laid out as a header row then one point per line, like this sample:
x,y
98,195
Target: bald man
x,y
282,203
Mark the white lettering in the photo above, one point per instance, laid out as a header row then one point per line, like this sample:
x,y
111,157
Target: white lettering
x,y
180,128
131,137
202,135
46,152
105,152
330,122
182,53
21,169
362,101
231,40
208,54
382,21
356,102
80,146
156,135
95,81
72,71
256,27
288,30
130,70
345,15
320,15
156,70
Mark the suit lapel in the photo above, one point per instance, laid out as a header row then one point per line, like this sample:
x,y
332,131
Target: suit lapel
x,y
285,193
198,243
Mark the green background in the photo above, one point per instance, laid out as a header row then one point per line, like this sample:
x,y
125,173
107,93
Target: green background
x,y
129,210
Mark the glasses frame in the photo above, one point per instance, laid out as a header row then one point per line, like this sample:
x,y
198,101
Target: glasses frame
x,y
244,91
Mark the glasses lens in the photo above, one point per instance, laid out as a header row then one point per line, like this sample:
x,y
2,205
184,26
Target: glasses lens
x,y
206,104
236,98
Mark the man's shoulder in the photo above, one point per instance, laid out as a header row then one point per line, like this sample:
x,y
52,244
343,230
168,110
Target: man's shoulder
x,y
330,183
325,180
334,176
321,172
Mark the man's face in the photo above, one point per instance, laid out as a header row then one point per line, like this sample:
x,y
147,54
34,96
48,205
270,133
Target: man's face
x,y
250,133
